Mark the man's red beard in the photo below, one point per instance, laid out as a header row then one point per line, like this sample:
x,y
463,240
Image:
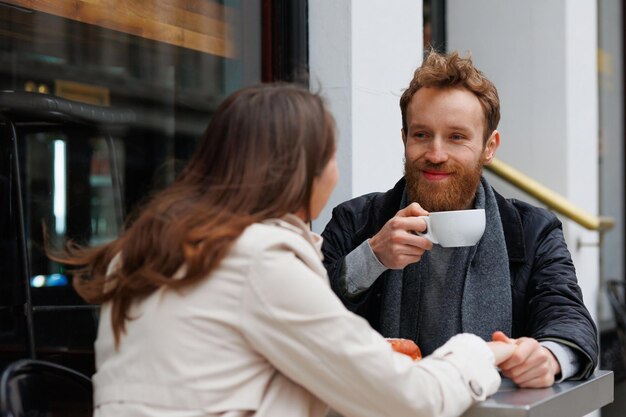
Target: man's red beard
x,y
457,192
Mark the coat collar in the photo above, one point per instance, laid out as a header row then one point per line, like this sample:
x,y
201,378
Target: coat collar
x,y
295,224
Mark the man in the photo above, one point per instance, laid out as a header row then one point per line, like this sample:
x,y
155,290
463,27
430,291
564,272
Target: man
x,y
518,279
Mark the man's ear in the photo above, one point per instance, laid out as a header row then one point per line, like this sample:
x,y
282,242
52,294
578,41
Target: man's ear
x,y
403,136
493,143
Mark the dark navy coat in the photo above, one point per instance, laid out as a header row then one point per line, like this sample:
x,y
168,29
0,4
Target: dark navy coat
x,y
547,301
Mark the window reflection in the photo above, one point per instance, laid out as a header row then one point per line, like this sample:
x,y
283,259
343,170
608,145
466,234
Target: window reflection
x,y
97,208
80,180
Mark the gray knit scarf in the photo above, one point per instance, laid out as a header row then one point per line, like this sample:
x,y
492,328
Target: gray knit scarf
x,y
483,302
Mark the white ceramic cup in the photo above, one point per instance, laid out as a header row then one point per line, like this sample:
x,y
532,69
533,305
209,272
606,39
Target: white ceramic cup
x,y
454,228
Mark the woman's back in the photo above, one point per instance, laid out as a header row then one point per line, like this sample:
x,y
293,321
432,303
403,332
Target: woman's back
x,y
189,349
265,336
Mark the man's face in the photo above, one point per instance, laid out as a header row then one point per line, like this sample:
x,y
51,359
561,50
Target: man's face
x,y
444,148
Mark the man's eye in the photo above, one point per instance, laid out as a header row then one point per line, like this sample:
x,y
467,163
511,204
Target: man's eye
x,y
420,135
456,137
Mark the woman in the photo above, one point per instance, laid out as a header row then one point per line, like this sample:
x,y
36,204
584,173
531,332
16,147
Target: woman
x,y
216,303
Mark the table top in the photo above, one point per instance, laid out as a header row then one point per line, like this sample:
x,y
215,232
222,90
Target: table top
x,y
567,399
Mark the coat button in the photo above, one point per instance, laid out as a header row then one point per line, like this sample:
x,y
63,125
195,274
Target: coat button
x,y
476,388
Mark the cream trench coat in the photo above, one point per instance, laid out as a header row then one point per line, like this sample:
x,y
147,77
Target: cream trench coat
x,y
264,335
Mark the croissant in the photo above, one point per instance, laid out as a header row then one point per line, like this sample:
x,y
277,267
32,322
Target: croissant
x,y
407,347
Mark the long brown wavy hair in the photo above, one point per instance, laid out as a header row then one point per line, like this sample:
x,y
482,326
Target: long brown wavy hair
x,y
257,159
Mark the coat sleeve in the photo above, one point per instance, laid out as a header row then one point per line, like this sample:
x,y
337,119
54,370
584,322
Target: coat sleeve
x,y
555,309
290,317
340,238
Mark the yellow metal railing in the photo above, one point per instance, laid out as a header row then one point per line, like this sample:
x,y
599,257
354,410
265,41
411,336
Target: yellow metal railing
x,y
548,197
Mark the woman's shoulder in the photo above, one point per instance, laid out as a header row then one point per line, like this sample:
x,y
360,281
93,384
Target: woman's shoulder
x,y
268,233
285,237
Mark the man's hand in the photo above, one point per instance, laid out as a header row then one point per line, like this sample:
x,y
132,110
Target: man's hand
x,y
531,365
395,245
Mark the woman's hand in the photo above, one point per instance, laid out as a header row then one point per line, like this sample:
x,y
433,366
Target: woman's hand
x,y
501,350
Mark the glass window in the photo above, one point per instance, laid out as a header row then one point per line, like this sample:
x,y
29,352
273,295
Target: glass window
x,y
166,63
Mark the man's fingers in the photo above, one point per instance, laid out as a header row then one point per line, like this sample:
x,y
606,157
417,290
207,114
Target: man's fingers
x,y
525,347
409,259
535,365
396,238
538,370
408,254
542,371
401,230
408,224
542,381
399,255
413,209
531,379
418,243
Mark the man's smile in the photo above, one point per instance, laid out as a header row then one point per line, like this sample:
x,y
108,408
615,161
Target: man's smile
x,y
432,175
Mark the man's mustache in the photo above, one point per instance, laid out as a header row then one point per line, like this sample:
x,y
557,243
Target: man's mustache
x,y
443,166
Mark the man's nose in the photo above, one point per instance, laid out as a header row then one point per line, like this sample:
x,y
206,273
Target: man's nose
x,y
436,152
